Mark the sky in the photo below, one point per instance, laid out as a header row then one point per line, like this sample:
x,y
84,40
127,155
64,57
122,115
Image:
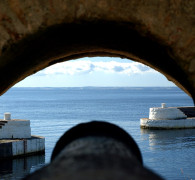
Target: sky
x,y
97,71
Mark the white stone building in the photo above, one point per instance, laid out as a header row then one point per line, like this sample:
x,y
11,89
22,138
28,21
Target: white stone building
x,y
169,118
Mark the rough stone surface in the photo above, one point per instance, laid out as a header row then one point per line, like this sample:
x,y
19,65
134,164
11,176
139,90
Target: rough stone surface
x,y
37,34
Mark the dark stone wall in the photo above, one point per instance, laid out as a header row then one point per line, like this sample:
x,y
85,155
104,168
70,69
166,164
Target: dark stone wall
x,y
36,34
5,150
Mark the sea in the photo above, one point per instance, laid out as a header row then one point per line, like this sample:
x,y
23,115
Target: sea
x,y
52,111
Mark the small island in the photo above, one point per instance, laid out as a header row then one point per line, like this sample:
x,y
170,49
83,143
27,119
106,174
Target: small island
x,y
169,118
16,138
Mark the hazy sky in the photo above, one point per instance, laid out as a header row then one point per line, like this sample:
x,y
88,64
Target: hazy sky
x,y
98,71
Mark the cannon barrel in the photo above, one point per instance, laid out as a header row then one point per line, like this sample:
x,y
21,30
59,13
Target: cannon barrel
x,y
98,151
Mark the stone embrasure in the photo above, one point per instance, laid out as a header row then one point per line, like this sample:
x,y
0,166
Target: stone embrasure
x,y
36,34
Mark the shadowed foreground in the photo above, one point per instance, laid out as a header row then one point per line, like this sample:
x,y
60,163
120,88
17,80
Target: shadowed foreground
x,y
95,150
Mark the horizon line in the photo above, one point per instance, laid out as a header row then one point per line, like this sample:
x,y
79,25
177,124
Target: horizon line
x,y
92,86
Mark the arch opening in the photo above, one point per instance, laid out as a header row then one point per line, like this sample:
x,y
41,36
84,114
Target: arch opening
x,y
97,72
158,34
54,110
71,41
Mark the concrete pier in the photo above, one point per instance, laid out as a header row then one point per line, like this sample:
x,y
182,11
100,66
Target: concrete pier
x,y
18,147
16,138
169,118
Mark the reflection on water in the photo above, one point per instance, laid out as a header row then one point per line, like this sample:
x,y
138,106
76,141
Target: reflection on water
x,y
18,168
181,138
170,152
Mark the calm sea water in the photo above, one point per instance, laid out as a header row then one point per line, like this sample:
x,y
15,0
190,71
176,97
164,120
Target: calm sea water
x,y
52,111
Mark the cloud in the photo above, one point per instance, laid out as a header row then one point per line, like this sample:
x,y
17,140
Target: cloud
x,y
87,66
118,69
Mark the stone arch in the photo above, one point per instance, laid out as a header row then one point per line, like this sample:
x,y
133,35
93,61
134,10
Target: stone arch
x,y
37,34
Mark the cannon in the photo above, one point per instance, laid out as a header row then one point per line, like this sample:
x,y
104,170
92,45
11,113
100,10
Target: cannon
x,y
95,151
